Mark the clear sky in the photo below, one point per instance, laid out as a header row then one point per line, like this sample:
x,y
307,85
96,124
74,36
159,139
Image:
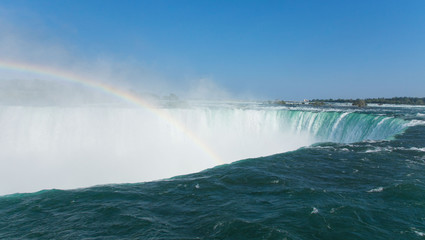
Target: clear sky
x,y
265,49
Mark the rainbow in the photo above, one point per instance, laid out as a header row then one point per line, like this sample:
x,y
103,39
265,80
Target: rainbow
x,y
111,90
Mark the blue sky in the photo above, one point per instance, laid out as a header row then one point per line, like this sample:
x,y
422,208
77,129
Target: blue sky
x,y
261,49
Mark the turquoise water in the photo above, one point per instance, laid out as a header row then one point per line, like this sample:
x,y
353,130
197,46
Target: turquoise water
x,y
362,179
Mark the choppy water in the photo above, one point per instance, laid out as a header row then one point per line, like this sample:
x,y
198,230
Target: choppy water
x,y
363,178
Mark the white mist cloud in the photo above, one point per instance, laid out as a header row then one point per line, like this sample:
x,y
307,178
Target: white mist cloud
x,y
67,147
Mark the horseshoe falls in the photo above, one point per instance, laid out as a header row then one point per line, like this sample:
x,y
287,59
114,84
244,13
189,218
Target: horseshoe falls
x,y
212,170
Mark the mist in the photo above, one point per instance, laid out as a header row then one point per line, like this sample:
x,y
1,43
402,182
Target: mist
x,y
61,133
65,134
64,147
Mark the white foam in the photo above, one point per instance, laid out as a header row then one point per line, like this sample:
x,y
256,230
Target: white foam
x,y
314,211
420,234
391,149
397,106
377,149
378,189
415,123
417,149
417,232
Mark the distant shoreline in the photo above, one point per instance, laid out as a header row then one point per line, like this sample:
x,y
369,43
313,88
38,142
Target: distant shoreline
x,y
394,100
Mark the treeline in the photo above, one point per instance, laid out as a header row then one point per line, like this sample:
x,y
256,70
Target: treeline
x,y
394,100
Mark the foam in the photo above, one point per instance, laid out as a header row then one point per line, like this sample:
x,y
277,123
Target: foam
x,y
378,189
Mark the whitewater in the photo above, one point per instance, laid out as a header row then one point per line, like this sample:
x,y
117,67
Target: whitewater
x,y
211,170
80,146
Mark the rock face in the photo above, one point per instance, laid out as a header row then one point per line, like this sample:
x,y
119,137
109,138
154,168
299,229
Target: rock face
x,y
360,103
